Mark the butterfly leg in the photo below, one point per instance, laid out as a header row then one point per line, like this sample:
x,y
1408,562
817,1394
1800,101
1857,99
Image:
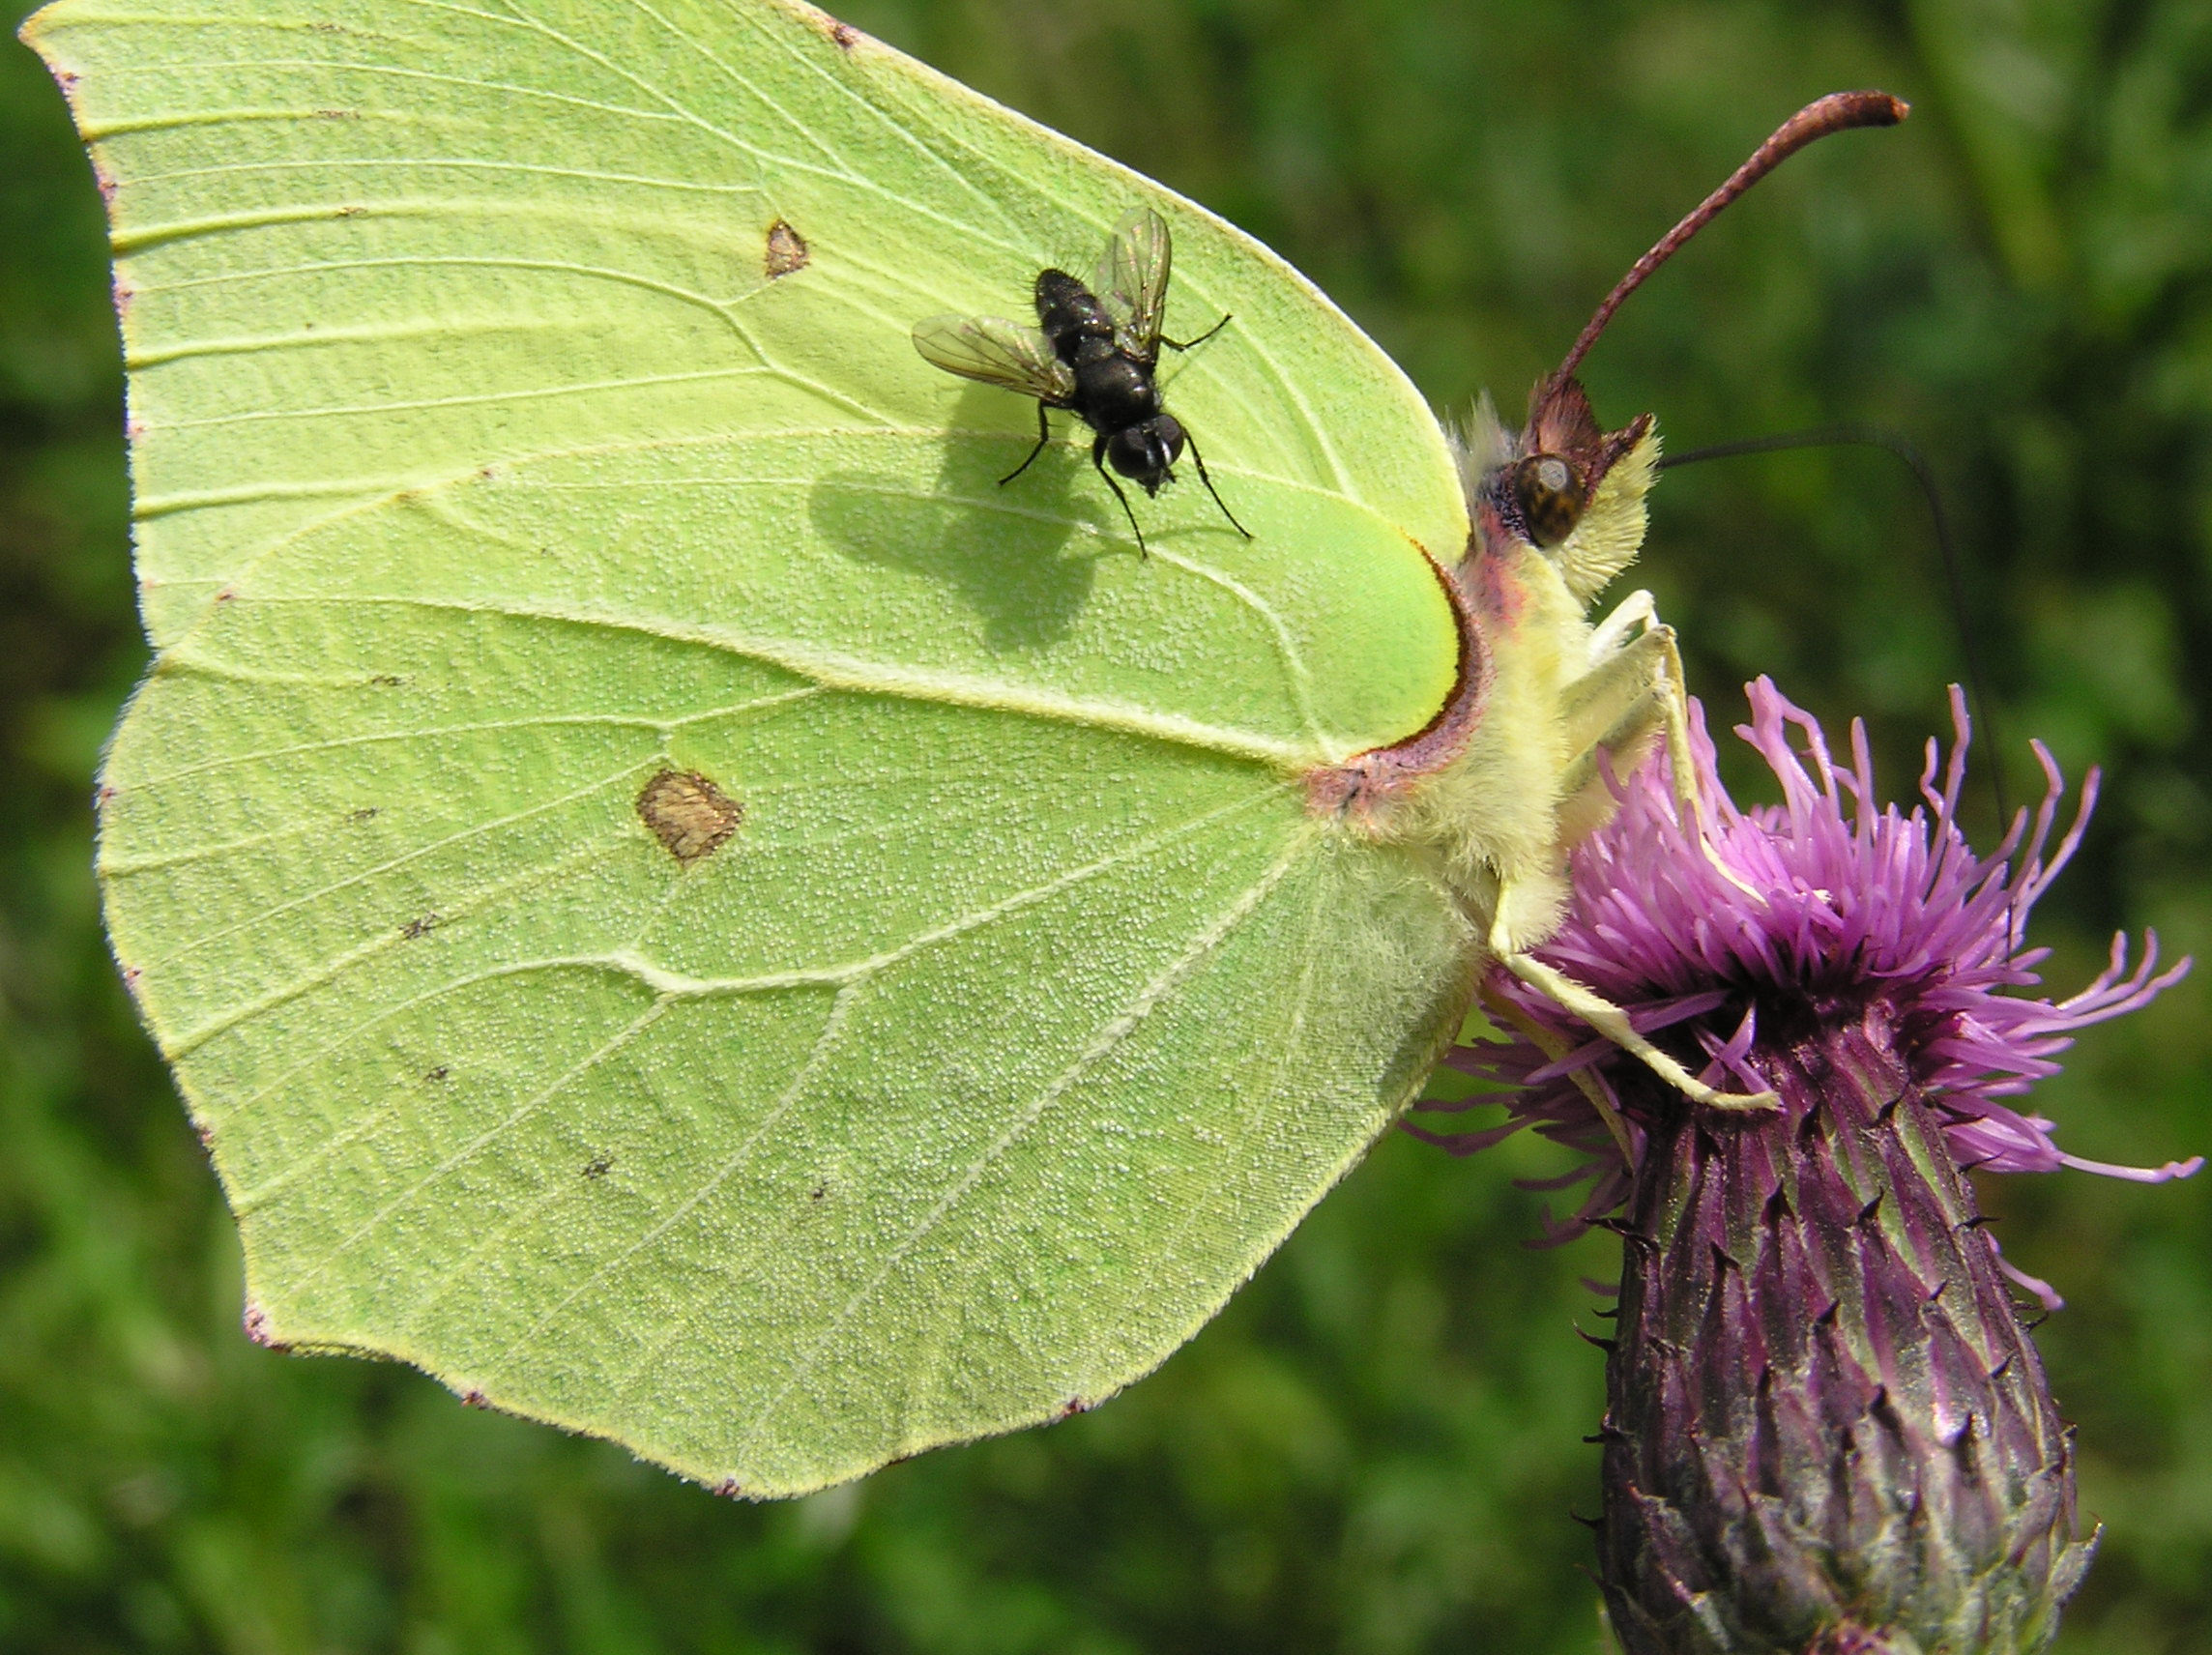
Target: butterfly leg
x,y
1635,658
1585,1078
1632,644
1190,442
1098,460
1608,1019
1044,436
1632,695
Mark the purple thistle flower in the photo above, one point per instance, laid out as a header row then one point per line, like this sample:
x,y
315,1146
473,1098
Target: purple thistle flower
x,y
1845,897
1826,1428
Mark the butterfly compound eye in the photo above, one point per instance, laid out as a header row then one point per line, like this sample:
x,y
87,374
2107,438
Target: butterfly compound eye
x,y
1548,491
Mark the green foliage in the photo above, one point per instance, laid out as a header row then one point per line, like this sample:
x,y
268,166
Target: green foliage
x,y
1374,1447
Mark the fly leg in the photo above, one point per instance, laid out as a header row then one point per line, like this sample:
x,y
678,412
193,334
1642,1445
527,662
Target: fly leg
x,y
1193,344
1044,436
1191,443
1098,460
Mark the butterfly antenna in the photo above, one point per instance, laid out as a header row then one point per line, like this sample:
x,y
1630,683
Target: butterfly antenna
x,y
1838,112
1192,443
1875,437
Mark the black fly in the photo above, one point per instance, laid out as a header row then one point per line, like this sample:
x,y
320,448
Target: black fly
x,y
1092,353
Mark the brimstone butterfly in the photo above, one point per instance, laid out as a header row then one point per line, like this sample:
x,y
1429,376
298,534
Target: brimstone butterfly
x,y
681,907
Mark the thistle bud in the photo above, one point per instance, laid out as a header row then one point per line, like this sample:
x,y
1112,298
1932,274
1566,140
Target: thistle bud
x,y
1827,1430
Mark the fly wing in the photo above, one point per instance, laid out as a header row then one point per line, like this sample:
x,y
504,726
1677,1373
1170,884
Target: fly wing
x,y
996,351
1133,281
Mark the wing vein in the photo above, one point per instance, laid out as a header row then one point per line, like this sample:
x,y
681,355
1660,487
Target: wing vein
x,y
1107,1040
858,977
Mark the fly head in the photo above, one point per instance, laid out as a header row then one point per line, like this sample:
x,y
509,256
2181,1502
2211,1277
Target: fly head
x,y
1144,451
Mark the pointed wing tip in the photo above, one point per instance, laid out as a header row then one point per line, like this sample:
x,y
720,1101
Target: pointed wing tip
x,y
35,32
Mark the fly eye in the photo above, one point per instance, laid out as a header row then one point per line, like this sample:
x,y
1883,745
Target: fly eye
x,y
1128,454
1550,494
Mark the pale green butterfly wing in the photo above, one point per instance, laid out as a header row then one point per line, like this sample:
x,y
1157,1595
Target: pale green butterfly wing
x,y
683,907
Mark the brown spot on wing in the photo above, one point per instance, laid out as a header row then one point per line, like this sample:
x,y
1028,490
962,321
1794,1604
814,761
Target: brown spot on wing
x,y
688,814
844,35
786,250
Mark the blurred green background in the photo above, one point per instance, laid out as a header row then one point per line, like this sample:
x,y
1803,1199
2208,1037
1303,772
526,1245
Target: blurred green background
x,y
1377,1448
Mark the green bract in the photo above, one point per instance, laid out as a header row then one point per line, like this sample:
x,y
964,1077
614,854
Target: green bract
x,y
683,909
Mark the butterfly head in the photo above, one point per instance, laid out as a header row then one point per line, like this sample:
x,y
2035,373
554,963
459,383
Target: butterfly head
x,y
1560,485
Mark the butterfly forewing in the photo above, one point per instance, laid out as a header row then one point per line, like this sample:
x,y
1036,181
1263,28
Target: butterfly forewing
x,y
996,351
1133,281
